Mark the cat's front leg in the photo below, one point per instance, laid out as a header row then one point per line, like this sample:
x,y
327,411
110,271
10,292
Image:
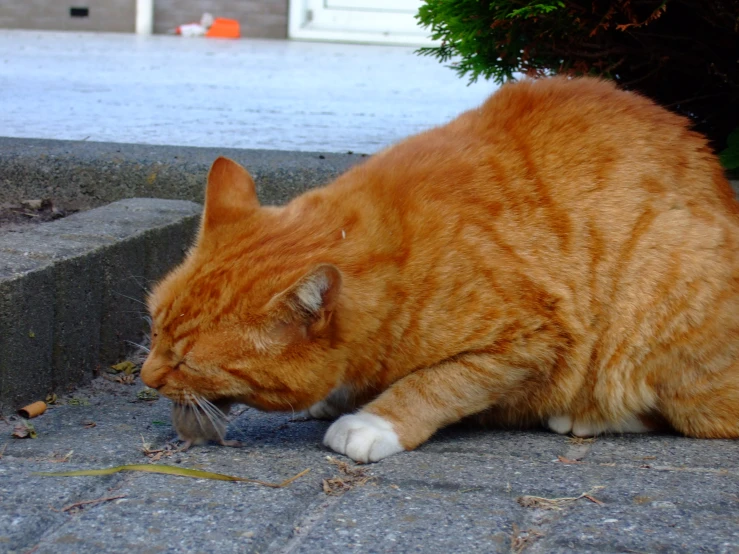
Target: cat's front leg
x,y
340,401
415,407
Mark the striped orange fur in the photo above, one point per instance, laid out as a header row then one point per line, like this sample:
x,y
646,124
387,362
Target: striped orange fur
x,y
566,254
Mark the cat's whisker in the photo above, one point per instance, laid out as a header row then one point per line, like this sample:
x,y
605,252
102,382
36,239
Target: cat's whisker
x,y
213,414
142,286
141,346
219,419
292,409
213,409
199,413
131,298
218,428
191,399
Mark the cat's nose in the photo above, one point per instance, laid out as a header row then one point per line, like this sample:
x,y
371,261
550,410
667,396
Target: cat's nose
x,y
154,374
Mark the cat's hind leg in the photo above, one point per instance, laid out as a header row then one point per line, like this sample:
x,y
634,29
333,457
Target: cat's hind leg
x,y
705,407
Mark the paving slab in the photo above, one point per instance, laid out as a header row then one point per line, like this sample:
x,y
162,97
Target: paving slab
x,y
460,492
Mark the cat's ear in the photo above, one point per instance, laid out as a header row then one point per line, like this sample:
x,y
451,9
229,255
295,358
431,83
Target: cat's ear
x,y
230,195
310,302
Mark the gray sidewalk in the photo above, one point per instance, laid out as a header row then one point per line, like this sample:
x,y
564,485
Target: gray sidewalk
x,y
461,492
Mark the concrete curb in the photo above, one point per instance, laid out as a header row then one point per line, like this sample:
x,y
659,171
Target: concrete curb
x,y
71,291
93,174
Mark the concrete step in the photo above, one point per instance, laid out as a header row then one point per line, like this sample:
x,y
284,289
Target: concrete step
x,y
72,291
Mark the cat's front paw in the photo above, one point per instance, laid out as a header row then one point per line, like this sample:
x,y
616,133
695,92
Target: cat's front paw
x,y
364,437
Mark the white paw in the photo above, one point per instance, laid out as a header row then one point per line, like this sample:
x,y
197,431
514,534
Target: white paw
x,y
564,425
363,437
560,424
323,410
583,430
587,429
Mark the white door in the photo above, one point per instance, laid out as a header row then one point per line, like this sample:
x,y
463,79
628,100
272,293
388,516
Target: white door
x,y
379,21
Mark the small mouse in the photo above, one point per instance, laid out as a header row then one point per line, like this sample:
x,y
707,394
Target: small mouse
x,y
195,426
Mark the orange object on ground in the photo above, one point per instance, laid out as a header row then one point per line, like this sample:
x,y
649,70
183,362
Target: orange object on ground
x,y
33,410
224,28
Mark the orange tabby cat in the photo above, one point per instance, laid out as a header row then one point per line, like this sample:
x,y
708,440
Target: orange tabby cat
x,y
566,254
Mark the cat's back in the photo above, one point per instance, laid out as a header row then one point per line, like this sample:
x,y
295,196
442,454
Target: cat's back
x,y
575,141
588,133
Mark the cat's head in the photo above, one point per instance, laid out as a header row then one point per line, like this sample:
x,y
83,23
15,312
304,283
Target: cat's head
x,y
244,318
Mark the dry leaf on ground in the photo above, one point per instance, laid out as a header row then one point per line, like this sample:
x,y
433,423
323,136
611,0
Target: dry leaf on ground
x,y
580,440
77,506
78,402
521,539
127,367
58,458
350,477
569,461
156,454
556,503
147,394
24,430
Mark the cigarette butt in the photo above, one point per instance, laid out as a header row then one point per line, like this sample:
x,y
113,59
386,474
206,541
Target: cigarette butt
x,y
33,410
